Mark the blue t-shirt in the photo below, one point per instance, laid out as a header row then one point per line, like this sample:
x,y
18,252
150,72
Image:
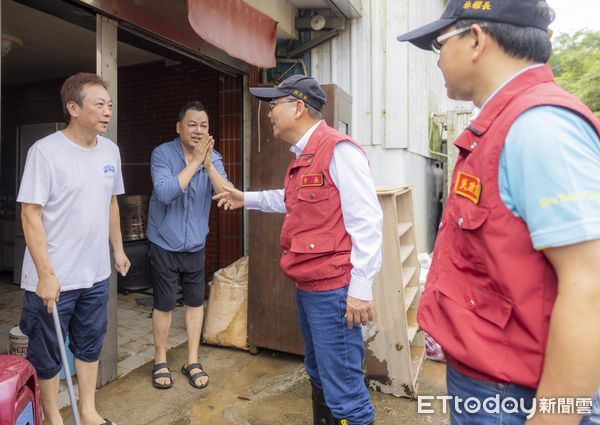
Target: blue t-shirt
x,y
549,175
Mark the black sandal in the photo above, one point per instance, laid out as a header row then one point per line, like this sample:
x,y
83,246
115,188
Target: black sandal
x,y
156,376
187,371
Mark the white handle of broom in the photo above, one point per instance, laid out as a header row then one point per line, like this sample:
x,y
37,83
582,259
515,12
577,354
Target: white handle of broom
x,y
65,361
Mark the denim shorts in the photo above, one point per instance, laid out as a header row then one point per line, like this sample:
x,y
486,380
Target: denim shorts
x,y
83,316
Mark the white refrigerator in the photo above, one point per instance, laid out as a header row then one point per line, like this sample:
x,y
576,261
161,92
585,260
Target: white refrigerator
x,y
27,135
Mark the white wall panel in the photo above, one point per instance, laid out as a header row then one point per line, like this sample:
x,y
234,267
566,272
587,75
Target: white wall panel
x,y
396,77
360,75
378,69
395,88
340,61
321,63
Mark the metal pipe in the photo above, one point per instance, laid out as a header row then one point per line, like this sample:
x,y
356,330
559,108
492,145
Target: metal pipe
x,y
65,361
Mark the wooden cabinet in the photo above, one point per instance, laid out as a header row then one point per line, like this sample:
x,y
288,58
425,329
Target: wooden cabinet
x,y
272,321
394,345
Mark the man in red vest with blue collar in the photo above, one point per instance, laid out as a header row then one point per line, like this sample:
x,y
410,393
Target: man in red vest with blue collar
x,y
513,294
331,245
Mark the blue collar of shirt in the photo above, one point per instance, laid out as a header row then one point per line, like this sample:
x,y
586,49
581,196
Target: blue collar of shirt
x,y
178,148
301,144
477,111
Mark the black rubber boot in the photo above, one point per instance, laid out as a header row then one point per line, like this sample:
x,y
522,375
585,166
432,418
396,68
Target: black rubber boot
x,y
321,413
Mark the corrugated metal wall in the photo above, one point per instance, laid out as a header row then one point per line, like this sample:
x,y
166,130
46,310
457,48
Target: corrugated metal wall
x,y
395,87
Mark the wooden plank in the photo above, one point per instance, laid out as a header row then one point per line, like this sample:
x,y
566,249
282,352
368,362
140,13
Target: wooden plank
x,y
340,62
409,295
413,326
403,228
412,331
388,341
417,355
360,48
395,83
407,275
272,320
393,190
106,67
404,206
405,251
378,71
457,121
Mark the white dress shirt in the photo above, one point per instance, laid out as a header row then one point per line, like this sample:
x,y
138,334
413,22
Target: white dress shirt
x,y
350,172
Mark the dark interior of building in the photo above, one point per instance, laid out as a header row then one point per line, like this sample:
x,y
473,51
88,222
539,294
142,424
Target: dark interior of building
x,y
153,83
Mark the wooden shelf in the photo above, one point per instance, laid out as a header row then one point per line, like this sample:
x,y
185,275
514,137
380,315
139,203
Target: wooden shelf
x,y
411,323
412,331
403,228
411,316
409,295
405,251
396,292
417,354
393,190
407,274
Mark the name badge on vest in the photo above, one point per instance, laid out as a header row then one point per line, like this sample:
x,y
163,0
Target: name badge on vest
x,y
468,186
312,180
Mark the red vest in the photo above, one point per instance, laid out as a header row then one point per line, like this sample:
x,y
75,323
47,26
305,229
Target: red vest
x,y
489,293
316,247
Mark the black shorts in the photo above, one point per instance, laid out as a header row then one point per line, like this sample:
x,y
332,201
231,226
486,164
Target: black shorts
x,y
168,269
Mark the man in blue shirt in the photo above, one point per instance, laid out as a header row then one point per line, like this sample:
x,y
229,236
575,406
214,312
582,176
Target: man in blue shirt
x,y
184,173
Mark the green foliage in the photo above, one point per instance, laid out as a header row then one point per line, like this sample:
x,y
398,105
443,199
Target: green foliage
x,y
576,65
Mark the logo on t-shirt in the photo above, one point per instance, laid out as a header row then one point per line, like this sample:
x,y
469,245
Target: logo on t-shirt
x,y
109,170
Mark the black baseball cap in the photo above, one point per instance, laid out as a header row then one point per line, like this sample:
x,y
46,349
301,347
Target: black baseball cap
x,y
517,12
301,87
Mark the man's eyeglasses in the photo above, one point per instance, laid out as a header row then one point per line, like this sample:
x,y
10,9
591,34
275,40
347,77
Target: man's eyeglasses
x,y
436,44
274,103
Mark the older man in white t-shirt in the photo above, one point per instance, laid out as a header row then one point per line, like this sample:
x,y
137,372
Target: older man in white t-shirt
x,y
69,213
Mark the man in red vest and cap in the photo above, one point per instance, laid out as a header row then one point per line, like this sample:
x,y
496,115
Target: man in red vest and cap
x,y
513,294
331,245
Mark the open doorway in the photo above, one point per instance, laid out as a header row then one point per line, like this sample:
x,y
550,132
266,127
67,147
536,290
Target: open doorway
x,y
154,81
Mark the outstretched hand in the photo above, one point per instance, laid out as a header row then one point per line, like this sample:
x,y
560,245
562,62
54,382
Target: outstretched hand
x,y
231,199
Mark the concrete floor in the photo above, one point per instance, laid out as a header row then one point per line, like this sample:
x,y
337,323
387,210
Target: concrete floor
x,y
266,389
136,346
270,388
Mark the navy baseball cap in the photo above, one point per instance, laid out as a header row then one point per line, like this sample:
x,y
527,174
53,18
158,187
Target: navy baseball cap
x,y
301,87
517,12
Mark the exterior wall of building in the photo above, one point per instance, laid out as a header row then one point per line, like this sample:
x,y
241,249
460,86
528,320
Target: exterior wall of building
x,y
281,11
395,88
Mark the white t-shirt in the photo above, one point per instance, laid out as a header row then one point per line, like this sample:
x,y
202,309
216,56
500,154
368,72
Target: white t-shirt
x,y
74,185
